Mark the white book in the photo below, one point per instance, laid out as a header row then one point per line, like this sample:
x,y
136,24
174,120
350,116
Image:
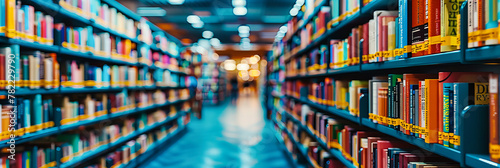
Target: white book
x,y
371,38
98,77
422,106
49,71
391,39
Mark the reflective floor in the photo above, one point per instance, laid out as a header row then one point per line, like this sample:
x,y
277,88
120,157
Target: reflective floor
x,y
227,136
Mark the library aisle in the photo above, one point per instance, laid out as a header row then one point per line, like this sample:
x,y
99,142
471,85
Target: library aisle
x,y
227,136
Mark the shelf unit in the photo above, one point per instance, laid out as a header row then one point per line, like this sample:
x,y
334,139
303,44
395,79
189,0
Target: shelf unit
x,y
466,156
63,15
87,156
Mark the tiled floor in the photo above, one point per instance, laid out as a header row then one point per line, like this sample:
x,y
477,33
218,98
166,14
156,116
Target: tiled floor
x,y
227,136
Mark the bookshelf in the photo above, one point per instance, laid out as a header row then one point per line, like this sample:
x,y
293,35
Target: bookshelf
x,y
174,96
473,151
212,83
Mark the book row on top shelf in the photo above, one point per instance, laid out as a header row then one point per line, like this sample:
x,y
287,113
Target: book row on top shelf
x,y
371,41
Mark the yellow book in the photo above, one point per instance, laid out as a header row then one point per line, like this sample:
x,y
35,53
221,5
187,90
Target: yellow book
x,y
10,18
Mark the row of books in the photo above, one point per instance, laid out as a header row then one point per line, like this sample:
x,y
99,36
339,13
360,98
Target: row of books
x,y
313,29
41,112
314,63
426,106
133,148
103,14
23,22
62,148
110,17
362,147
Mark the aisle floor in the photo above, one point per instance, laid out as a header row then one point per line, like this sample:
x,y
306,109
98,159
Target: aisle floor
x,y
227,136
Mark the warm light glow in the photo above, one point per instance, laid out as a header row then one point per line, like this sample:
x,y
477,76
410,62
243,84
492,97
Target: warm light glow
x,y
254,73
240,11
215,56
254,66
230,65
257,56
207,34
242,67
253,60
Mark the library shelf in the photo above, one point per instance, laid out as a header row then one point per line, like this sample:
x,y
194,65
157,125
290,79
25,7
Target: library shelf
x,y
329,72
89,56
486,53
154,148
480,160
335,32
154,48
327,110
434,59
297,144
450,153
68,90
282,146
305,21
59,129
277,95
333,152
89,155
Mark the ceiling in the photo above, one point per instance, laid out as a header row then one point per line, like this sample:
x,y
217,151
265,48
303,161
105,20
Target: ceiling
x,y
264,17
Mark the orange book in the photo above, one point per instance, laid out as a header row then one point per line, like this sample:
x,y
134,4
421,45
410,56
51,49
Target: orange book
x,y
418,24
434,22
494,114
431,110
381,111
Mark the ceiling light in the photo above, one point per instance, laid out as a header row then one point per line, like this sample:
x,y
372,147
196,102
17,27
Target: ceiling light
x,y
197,25
193,19
151,11
207,34
243,35
243,29
300,2
240,11
215,42
254,73
176,2
245,40
237,3
294,11
230,65
297,6
283,29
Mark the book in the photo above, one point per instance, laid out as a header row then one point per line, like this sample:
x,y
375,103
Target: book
x,y
449,22
493,113
431,108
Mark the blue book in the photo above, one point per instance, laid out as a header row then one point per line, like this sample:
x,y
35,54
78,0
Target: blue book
x,y
397,25
26,10
38,19
34,157
37,110
27,111
45,111
446,111
90,38
20,113
2,19
463,95
405,18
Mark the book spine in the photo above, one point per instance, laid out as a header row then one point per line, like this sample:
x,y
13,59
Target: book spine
x,y
434,29
494,119
447,88
449,22
491,19
431,99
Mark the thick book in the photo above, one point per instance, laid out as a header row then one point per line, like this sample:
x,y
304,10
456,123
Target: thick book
x,y
431,110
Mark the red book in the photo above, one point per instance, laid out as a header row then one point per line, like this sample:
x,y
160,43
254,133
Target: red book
x,y
453,77
411,79
434,22
383,144
365,42
480,17
350,48
363,134
43,27
2,68
371,142
418,22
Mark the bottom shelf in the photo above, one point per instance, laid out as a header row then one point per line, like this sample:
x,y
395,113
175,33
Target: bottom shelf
x,y
299,146
153,148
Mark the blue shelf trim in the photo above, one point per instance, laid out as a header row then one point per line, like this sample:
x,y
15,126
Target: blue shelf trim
x,y
281,141
62,90
55,130
447,152
297,144
106,148
328,110
333,152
